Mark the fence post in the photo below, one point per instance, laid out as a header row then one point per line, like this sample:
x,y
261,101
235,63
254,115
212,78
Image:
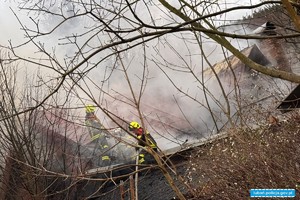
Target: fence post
x,y
122,192
132,192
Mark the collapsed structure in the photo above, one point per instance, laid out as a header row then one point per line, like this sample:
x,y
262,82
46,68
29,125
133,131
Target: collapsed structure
x,y
69,157
68,147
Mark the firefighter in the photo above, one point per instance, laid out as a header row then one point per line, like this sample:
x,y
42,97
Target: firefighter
x,y
97,134
144,138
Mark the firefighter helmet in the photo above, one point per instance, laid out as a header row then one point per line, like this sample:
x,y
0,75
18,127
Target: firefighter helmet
x,y
90,109
134,125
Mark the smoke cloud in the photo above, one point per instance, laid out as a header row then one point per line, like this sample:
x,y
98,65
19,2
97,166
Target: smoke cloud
x,y
168,113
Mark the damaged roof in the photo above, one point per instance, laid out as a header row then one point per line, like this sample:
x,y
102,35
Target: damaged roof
x,y
223,68
292,101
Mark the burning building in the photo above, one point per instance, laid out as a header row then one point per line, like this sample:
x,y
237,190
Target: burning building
x,y
69,164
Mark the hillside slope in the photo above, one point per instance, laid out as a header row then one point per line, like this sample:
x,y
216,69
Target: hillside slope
x,y
265,157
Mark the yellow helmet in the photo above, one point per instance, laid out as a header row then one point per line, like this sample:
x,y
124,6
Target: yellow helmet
x,y
90,108
134,125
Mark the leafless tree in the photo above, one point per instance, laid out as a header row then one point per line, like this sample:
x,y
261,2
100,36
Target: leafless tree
x,y
124,57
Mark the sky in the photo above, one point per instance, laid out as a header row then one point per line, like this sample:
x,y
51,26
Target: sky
x,y
10,28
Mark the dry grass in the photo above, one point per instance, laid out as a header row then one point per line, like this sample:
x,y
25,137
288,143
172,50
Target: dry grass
x,y
268,157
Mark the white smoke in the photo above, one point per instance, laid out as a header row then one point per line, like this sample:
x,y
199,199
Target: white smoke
x,y
160,100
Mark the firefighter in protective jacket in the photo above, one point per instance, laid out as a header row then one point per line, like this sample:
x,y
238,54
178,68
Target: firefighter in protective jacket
x,y
145,138
97,134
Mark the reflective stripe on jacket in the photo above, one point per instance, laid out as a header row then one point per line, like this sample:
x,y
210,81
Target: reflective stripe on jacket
x,y
150,140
